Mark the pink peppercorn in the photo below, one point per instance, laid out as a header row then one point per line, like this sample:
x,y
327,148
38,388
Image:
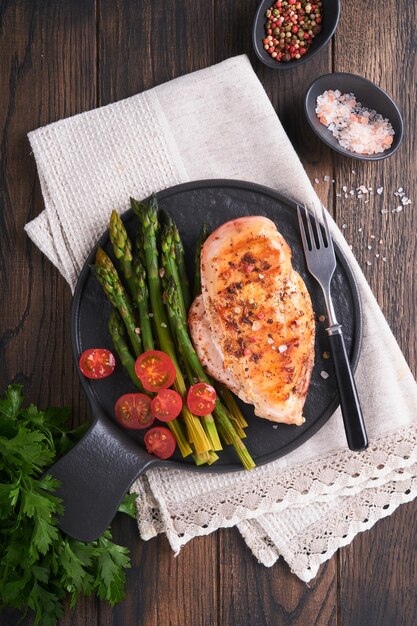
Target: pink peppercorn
x,y
290,24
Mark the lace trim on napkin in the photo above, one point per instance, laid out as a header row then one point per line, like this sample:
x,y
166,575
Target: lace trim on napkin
x,y
338,522
338,474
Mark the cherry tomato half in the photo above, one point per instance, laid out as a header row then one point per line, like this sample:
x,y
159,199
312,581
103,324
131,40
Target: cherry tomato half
x,y
155,370
133,410
201,399
167,405
160,441
97,363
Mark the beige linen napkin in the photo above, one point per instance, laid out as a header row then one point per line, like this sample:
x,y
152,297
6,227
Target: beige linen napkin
x,y
219,123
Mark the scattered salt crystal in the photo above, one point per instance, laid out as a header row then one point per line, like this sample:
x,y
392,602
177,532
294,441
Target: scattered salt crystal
x,y
404,200
352,192
360,230
324,374
379,190
261,276
270,341
273,348
344,225
399,208
344,188
377,256
326,179
384,211
338,195
359,196
353,172
400,189
333,180
316,180
381,241
251,300
362,188
282,348
369,247
256,325
372,236
150,314
366,201
368,263
274,425
163,325
346,196
384,258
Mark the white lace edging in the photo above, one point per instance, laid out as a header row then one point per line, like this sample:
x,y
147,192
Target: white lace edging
x,y
388,463
336,527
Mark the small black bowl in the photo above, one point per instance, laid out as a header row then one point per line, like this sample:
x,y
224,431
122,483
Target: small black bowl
x,y
331,12
368,94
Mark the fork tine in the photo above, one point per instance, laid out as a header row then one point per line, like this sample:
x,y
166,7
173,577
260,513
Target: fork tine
x,y
326,226
318,228
310,229
302,230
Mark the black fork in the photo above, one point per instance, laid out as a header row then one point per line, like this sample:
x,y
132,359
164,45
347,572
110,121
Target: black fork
x,y
321,262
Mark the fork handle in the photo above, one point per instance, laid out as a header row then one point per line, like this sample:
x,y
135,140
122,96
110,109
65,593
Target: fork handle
x,y
349,400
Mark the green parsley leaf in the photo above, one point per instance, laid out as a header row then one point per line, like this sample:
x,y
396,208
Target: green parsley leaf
x,y
128,505
39,566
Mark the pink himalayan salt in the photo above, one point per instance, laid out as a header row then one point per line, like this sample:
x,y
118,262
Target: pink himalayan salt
x,y
357,128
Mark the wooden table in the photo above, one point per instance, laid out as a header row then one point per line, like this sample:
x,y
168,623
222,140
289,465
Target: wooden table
x,y
59,58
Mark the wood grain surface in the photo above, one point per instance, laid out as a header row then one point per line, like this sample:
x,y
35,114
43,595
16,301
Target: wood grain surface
x,y
58,58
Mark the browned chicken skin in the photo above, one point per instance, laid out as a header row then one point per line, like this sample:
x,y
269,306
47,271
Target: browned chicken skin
x,y
253,327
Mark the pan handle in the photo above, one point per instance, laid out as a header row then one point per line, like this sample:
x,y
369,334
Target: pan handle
x,y
95,476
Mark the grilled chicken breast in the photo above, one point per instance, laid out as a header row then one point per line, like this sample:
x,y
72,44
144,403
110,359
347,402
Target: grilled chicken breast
x,y
253,326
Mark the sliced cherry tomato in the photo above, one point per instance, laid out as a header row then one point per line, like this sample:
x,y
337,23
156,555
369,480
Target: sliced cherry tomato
x,y
160,441
167,405
133,410
155,370
201,399
97,363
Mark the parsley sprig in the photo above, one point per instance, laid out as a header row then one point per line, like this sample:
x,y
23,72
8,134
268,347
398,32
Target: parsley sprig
x,y
39,565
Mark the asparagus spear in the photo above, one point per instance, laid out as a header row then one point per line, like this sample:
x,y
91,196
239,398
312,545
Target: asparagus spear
x,y
122,248
149,220
169,263
232,406
182,270
113,288
141,300
171,273
220,412
118,335
204,233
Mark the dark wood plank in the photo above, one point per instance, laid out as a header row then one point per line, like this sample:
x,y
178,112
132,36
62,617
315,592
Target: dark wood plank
x,y
377,578
48,53
254,594
49,64
142,45
251,593
162,589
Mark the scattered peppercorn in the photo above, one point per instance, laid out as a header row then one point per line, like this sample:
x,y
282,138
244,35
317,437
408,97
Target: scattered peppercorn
x,y
290,28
